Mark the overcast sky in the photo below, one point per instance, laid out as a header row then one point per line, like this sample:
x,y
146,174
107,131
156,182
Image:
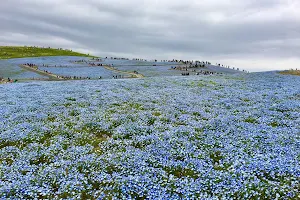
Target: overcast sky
x,y
255,35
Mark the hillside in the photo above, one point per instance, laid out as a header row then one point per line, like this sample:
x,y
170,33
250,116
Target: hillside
x,y
218,69
8,52
291,72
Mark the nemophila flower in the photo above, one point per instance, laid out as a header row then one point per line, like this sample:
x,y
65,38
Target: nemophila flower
x,y
158,138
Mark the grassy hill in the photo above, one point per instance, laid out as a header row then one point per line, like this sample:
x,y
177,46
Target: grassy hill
x,y
7,52
291,72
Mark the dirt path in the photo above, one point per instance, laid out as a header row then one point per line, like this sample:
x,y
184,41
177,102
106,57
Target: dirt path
x,y
56,77
51,76
124,72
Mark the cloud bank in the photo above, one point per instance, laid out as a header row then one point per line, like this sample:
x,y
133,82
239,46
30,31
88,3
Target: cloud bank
x,y
249,34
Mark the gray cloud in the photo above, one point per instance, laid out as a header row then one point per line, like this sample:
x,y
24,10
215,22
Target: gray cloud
x,y
228,31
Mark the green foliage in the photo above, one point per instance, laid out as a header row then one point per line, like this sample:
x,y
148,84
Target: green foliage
x,y
180,172
136,106
216,156
74,113
7,52
71,99
68,104
156,113
245,99
251,120
40,160
51,118
198,83
196,114
274,124
291,72
9,161
96,130
212,82
151,121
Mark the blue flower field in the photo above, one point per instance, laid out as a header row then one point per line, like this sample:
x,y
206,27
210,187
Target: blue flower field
x,y
197,137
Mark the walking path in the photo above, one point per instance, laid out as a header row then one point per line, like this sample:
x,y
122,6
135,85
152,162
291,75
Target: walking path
x,y
57,77
36,70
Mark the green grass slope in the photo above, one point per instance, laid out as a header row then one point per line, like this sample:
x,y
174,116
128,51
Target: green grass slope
x,y
7,52
291,72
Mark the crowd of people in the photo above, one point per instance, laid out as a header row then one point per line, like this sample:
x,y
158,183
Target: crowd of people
x,y
35,67
96,59
187,63
116,58
195,64
76,77
86,61
202,72
44,65
79,61
8,80
187,70
188,66
185,74
118,76
94,64
31,65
